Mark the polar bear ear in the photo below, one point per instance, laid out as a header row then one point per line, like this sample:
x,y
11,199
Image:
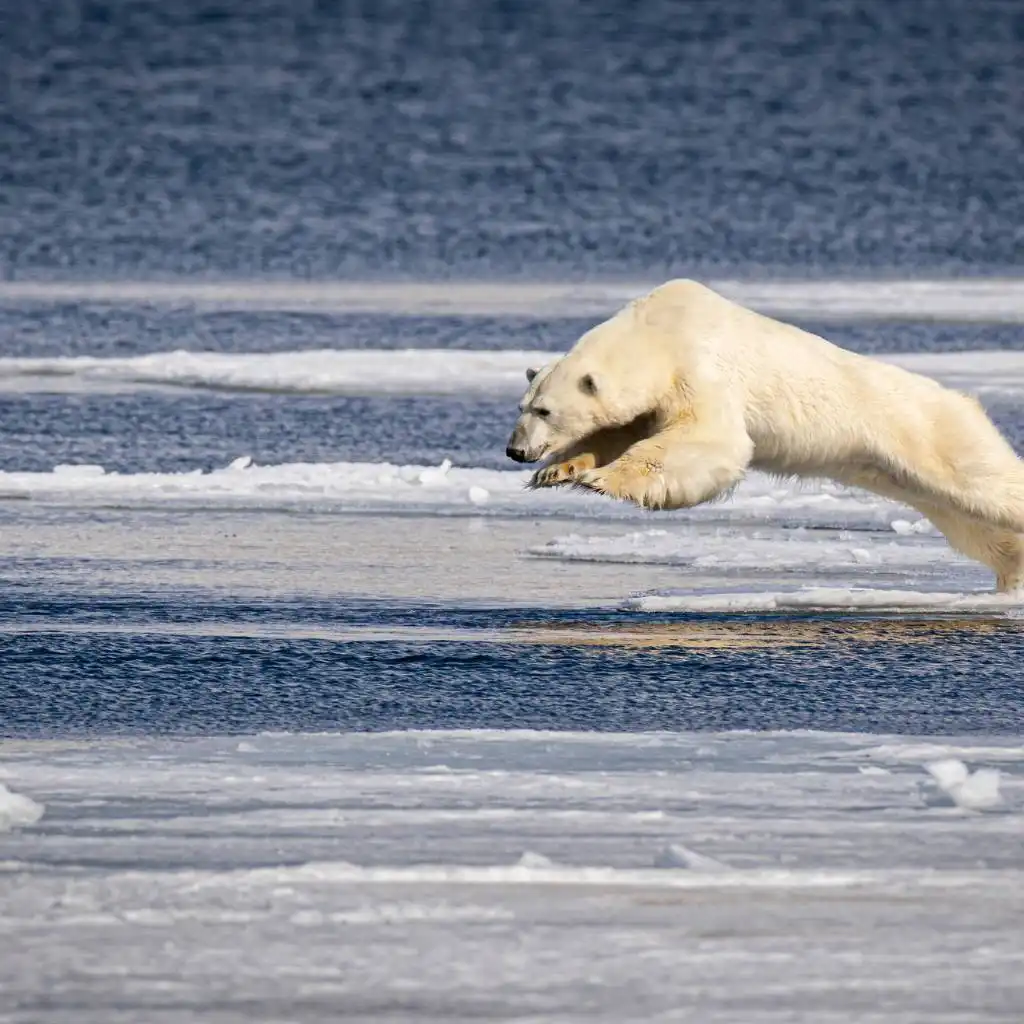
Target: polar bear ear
x,y
531,373
587,384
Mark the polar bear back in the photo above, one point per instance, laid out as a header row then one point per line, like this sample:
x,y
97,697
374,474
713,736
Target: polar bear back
x,y
808,405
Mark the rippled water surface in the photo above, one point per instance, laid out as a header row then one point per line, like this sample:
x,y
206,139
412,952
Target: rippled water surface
x,y
472,139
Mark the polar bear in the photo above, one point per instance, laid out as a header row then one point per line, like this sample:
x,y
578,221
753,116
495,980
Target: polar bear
x,y
669,402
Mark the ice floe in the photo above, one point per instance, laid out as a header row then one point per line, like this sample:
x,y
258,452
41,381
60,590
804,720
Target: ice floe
x,y
979,299
828,598
425,371
17,810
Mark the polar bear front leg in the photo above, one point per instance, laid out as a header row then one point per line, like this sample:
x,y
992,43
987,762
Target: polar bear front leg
x,y
677,468
599,449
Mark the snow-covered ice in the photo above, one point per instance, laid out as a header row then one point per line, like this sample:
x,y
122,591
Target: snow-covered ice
x,y
867,569
368,486
888,599
730,547
484,875
322,371
972,791
17,810
772,546
433,371
675,855
990,300
373,486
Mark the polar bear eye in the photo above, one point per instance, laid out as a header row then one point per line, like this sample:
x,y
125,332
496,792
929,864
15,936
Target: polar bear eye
x,y
542,413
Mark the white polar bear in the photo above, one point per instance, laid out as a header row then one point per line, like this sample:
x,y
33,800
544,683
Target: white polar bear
x,y
669,402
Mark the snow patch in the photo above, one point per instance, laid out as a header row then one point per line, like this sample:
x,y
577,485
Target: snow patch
x,y
18,811
375,485
977,791
986,300
730,548
923,753
826,598
906,528
242,482
322,371
534,861
386,371
678,856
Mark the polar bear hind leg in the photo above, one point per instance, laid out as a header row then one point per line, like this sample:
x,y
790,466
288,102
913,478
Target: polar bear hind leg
x,y
1001,550
960,461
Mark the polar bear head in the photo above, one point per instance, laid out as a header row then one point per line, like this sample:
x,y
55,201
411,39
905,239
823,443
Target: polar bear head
x,y
616,372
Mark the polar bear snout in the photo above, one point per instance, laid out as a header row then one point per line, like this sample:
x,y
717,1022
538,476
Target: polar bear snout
x,y
516,448
523,445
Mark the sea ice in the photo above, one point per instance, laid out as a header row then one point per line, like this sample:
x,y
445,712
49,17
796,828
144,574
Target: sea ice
x,y
906,527
384,371
374,485
17,811
338,875
529,859
675,855
977,791
763,549
965,300
826,598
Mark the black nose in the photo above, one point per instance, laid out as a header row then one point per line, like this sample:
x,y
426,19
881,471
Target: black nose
x,y
515,454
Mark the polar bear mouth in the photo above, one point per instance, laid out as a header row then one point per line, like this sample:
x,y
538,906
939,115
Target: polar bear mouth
x,y
519,455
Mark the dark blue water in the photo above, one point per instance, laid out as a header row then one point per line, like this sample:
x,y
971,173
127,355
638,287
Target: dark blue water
x,y
98,330
944,680
82,329
482,137
167,432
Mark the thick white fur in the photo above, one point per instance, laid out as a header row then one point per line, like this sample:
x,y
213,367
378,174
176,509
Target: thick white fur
x,y
669,402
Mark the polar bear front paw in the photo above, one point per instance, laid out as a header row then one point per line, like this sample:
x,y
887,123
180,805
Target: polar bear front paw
x,y
558,473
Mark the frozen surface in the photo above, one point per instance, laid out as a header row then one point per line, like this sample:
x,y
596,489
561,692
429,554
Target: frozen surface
x,y
480,554
989,300
889,599
973,791
432,371
444,533
491,875
17,810
724,548
360,485
438,371
851,569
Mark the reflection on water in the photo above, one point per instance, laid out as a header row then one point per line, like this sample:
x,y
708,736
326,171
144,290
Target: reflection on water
x,y
684,633
782,632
